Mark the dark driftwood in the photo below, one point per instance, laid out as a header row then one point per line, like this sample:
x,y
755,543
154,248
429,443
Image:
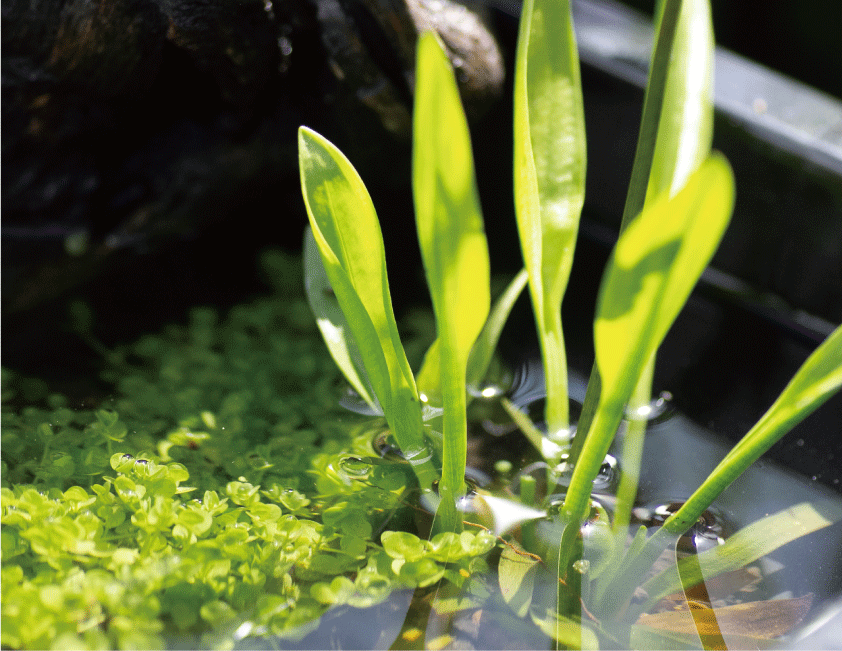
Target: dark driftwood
x,y
131,123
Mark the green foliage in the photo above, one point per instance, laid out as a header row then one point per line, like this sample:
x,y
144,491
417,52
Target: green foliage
x,y
222,504
549,177
453,248
678,206
347,233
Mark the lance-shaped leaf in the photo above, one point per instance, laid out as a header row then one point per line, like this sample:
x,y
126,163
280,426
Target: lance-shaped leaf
x,y
332,322
453,246
549,176
348,237
653,268
685,131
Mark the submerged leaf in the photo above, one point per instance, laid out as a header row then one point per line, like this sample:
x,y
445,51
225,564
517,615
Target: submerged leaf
x,y
753,621
565,630
745,546
516,576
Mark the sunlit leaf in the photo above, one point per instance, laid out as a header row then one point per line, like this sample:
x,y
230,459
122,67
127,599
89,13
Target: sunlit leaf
x,y
332,323
428,378
653,268
348,237
516,576
685,129
453,247
549,175
655,265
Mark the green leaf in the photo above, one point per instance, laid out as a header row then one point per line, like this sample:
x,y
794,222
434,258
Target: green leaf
x,y
404,545
332,322
453,247
429,377
653,268
549,176
685,128
516,576
348,237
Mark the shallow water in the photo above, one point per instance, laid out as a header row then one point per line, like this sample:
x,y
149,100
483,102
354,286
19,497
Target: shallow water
x,y
678,455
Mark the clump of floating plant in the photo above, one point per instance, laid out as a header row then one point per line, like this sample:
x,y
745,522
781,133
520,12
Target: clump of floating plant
x,y
221,494
679,203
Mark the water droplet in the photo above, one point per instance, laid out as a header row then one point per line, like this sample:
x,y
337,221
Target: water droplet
x,y
142,462
355,467
127,457
800,443
582,566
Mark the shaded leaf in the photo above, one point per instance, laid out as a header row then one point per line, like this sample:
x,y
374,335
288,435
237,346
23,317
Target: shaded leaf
x,y
516,576
332,323
751,622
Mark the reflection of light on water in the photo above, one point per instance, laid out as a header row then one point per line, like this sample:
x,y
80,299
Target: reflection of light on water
x,y
504,514
490,392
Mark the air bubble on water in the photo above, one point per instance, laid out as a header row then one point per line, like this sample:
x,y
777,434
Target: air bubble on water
x,y
355,467
554,505
582,566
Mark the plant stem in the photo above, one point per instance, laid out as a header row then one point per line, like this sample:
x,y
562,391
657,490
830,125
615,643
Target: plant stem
x,y
632,454
557,408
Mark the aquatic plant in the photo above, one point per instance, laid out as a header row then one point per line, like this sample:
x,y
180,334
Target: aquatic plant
x,y
678,206
220,495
